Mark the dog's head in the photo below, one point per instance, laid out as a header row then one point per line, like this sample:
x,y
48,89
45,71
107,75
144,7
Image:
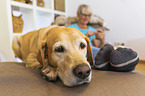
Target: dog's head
x,y
66,50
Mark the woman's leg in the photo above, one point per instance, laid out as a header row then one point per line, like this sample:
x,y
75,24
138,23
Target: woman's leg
x,y
95,50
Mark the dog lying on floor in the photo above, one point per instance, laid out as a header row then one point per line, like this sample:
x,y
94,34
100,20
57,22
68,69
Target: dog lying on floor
x,y
58,51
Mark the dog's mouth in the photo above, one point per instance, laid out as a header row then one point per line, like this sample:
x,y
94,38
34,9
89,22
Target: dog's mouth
x,y
83,74
79,75
82,81
77,81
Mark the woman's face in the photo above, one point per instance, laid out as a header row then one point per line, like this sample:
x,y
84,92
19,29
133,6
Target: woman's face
x,y
84,17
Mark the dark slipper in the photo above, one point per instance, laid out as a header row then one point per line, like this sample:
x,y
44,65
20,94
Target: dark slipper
x,y
102,60
123,60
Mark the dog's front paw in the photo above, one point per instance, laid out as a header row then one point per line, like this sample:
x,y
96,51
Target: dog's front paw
x,y
49,73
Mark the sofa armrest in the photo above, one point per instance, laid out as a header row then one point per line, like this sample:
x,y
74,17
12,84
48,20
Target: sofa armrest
x,y
17,80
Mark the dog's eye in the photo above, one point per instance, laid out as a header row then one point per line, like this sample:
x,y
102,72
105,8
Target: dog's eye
x,y
59,49
82,46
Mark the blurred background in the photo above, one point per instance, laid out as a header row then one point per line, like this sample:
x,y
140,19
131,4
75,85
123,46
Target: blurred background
x,y
124,18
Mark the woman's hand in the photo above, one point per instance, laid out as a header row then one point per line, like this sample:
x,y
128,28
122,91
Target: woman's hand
x,y
99,40
90,33
100,34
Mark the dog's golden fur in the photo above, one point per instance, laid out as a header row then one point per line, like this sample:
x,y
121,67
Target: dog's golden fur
x,y
56,50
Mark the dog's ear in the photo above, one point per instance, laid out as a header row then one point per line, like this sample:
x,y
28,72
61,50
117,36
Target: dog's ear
x,y
42,55
89,51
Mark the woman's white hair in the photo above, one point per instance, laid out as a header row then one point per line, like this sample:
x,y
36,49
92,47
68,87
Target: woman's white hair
x,y
84,6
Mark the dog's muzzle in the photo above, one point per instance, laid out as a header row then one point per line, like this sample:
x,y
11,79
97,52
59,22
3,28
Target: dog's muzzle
x,y
82,71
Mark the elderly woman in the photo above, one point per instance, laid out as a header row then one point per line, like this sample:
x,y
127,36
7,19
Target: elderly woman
x,y
84,13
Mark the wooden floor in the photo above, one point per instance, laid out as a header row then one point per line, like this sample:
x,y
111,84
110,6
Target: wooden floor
x,y
141,67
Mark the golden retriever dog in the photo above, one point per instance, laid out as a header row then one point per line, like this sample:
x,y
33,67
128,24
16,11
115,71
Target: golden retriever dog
x,y
58,51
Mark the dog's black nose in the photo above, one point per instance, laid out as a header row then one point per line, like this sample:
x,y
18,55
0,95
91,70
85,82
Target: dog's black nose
x,y
82,71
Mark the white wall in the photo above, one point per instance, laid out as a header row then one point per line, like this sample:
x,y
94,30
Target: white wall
x,y
125,18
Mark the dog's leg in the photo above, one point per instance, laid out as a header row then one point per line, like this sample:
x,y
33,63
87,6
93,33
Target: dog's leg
x,y
32,61
16,46
49,73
